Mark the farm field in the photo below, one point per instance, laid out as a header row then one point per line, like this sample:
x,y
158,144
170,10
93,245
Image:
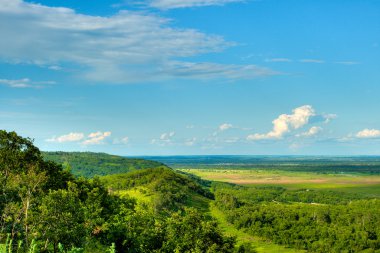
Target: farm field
x,y
365,184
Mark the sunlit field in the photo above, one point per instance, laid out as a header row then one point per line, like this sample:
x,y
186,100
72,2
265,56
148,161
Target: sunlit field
x,y
365,184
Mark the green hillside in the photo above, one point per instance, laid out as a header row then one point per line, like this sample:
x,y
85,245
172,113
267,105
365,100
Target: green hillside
x,y
89,164
46,209
161,188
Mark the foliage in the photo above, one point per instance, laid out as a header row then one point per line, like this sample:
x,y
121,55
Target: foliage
x,y
88,164
44,208
171,190
337,225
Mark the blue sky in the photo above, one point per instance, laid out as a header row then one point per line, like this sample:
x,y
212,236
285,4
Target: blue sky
x,y
167,77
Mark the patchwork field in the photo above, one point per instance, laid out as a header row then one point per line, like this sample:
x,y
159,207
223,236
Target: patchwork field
x,y
365,184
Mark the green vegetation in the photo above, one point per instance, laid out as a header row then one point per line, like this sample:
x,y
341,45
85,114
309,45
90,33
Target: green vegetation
x,y
89,164
115,204
166,189
44,208
317,221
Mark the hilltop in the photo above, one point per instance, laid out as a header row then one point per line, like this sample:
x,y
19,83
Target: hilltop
x,y
89,164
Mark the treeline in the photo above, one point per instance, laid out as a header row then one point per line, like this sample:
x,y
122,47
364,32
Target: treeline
x,y
88,164
44,208
330,225
255,195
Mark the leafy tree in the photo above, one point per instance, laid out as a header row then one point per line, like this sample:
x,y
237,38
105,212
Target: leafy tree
x,y
60,219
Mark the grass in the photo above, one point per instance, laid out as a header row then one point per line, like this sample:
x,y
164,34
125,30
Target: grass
x,y
260,245
141,194
366,185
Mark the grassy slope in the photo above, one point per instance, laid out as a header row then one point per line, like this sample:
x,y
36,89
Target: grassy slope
x,y
89,164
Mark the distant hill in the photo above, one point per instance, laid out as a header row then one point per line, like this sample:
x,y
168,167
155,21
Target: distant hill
x,y
162,187
89,164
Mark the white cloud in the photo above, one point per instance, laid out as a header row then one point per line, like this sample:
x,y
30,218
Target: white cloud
x,y
311,132
278,60
124,140
173,4
165,138
368,133
71,137
329,117
312,61
96,138
285,123
128,47
25,83
208,70
55,67
225,126
190,142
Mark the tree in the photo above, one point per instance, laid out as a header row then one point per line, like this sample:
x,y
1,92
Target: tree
x,y
60,219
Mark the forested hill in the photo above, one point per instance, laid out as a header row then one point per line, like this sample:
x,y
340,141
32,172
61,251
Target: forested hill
x,y
163,189
89,164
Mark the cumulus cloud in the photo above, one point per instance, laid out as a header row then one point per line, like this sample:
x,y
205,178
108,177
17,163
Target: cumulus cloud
x,y
96,138
311,132
25,83
285,123
368,134
225,126
71,137
173,4
127,47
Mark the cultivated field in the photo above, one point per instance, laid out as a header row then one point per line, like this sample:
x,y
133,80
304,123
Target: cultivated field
x,y
365,184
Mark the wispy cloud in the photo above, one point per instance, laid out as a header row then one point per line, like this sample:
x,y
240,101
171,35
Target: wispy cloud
x,y
190,141
225,126
278,60
311,61
164,139
128,47
124,140
208,70
25,83
174,4
347,62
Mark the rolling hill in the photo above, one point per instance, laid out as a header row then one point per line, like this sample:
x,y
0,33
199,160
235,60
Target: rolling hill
x,y
90,164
